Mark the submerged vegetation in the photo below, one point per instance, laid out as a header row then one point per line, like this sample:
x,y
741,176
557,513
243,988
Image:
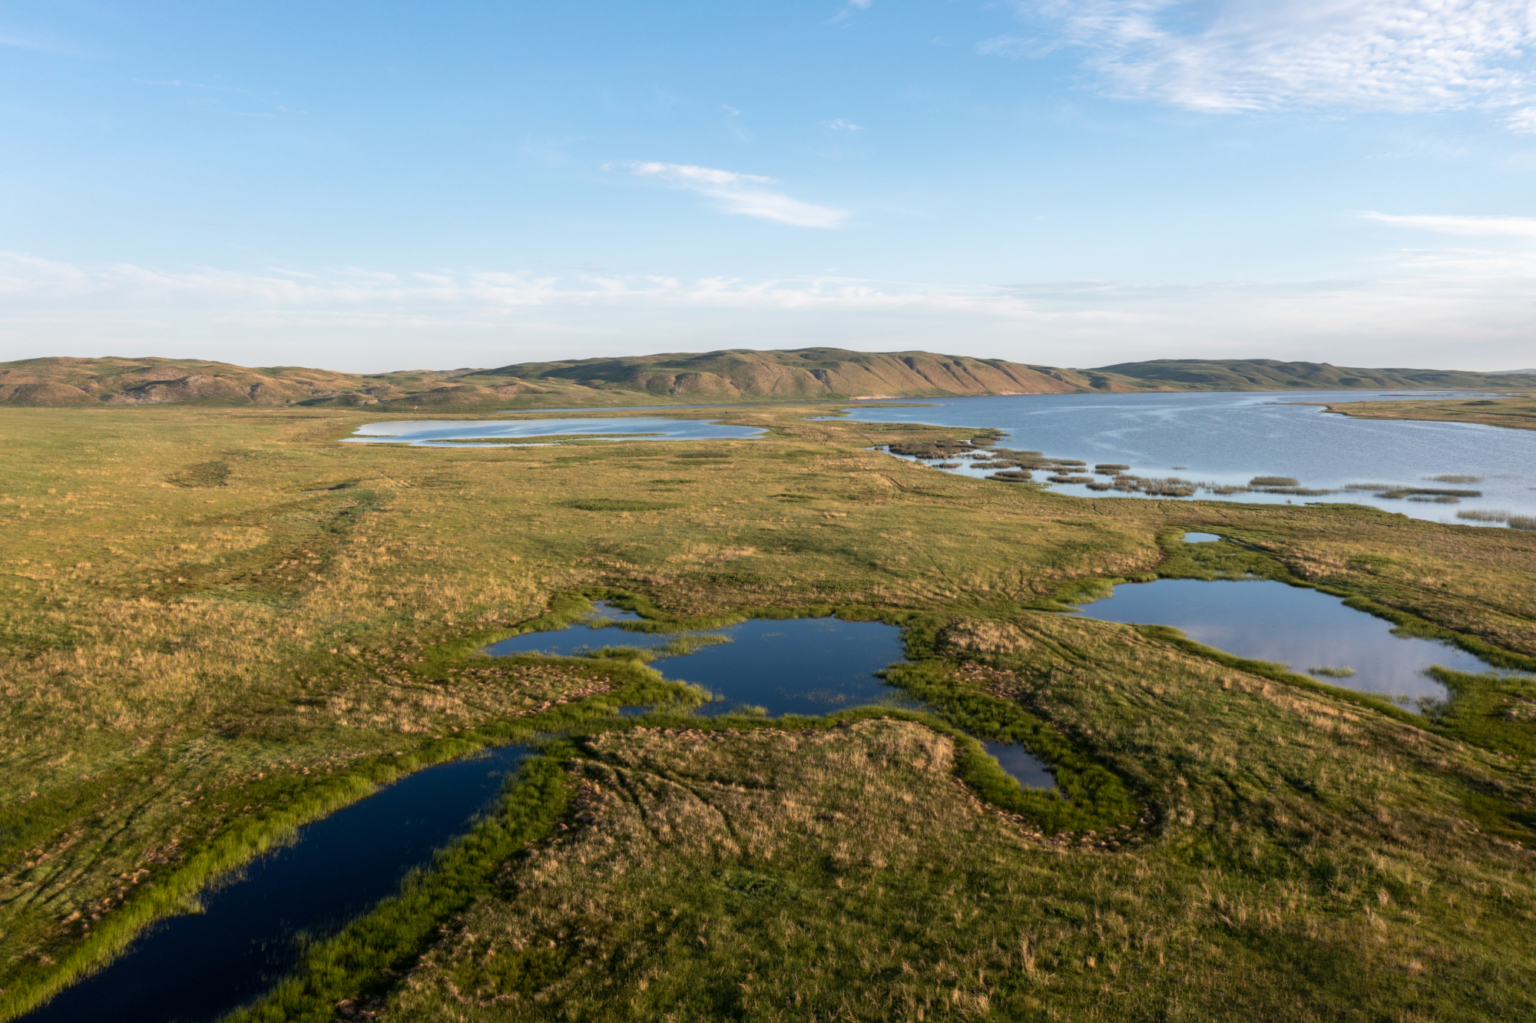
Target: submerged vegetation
x,y
218,624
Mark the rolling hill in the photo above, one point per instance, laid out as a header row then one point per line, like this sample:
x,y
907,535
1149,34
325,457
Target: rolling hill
x,y
733,375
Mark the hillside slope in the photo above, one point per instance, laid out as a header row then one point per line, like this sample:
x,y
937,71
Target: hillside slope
x,y
1272,375
812,373
734,375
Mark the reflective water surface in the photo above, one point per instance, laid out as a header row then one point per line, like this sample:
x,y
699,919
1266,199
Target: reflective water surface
x,y
1028,771
809,666
200,966
1310,631
1201,537
1230,438
462,433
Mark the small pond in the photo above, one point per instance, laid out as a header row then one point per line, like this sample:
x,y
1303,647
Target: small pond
x,y
200,966
494,433
1201,537
1310,631
809,666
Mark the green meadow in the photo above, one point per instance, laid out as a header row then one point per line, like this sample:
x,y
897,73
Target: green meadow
x,y
219,624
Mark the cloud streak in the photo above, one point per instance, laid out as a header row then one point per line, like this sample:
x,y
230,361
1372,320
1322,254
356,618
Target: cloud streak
x,y
1515,227
1258,55
740,194
1447,307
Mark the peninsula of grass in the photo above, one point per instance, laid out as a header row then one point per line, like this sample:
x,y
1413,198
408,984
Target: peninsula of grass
x,y
216,624
1515,412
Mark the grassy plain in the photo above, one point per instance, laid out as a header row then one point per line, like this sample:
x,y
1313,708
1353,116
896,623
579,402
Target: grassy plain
x,y
219,623
1516,412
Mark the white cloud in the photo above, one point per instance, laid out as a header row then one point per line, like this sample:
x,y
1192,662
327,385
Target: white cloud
x,y
838,124
741,194
849,8
1518,227
1522,121
1431,307
1237,55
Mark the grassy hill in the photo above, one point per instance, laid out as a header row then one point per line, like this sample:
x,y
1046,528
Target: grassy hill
x,y
1272,375
734,375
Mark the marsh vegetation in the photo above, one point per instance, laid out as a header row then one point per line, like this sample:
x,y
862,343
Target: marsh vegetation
x,y
197,660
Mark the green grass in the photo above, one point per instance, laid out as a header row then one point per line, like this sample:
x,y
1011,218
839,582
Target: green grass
x,y
216,624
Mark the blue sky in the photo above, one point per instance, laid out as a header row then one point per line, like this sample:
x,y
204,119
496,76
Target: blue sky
x,y
370,186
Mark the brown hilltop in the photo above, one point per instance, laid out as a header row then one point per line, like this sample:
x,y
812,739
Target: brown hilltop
x,y
732,375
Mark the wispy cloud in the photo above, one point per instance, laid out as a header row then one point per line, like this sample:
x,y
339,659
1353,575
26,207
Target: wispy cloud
x,y
850,8
1403,315
1517,227
1253,55
838,124
741,194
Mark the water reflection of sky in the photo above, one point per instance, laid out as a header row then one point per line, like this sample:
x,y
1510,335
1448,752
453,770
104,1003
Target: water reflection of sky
x,y
463,432
1270,621
1228,438
808,666
800,666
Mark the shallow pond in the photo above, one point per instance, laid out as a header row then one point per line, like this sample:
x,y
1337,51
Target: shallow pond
x,y
495,433
1270,621
1201,537
200,966
809,666
1228,439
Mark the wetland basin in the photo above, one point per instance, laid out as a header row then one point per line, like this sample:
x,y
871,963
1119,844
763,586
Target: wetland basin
x,y
1269,621
809,666
1229,438
199,966
495,433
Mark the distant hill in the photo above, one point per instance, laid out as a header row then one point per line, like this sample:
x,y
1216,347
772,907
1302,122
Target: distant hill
x,y
1271,375
810,373
735,375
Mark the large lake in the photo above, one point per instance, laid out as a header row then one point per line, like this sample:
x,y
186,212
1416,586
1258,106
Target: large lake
x,y
1229,438
488,433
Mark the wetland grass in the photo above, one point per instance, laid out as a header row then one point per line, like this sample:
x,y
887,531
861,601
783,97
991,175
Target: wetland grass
x,y
192,661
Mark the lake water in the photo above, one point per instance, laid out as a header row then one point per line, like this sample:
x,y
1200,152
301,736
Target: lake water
x,y
463,433
200,966
1229,438
809,666
1270,621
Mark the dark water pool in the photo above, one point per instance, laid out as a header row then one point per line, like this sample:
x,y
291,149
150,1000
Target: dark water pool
x,y
1310,631
1025,769
200,966
809,666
